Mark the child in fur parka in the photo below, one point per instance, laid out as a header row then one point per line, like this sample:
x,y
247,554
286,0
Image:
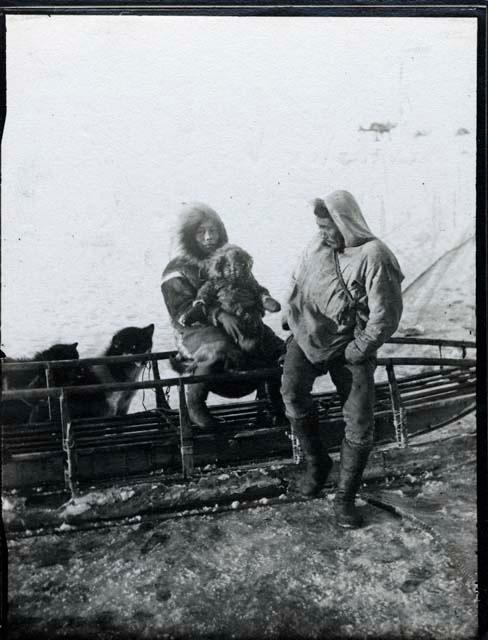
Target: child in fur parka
x,y
229,277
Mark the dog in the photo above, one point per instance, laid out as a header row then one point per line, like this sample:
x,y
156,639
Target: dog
x,y
232,287
20,411
128,341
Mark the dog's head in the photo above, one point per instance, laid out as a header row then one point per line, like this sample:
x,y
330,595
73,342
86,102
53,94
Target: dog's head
x,y
231,262
66,376
59,352
132,340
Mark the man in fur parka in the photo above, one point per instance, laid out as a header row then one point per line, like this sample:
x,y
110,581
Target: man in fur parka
x,y
211,344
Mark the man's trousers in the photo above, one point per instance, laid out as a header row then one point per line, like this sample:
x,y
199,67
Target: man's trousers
x,y
354,384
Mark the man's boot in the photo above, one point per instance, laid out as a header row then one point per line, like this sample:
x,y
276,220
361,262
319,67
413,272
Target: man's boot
x,y
317,461
196,396
353,463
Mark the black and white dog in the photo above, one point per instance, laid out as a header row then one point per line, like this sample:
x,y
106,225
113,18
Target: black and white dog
x,y
128,341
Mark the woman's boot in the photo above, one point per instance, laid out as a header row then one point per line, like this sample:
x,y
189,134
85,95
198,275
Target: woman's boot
x,y
353,463
317,461
196,396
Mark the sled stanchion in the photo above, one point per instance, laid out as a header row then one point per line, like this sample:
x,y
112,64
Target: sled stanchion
x,y
68,446
297,454
50,404
186,434
399,413
161,402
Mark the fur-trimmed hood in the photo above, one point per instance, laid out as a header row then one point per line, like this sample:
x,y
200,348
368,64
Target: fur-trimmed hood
x,y
191,216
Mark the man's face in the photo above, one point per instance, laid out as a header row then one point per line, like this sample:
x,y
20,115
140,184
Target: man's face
x,y
207,237
330,233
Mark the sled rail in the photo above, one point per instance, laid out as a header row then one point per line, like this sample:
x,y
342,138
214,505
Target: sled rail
x,y
237,376
433,342
86,362
166,355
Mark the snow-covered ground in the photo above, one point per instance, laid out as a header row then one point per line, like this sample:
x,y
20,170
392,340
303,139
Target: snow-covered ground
x,y
276,570
65,285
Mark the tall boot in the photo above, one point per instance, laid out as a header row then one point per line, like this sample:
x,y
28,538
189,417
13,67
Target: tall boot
x,y
353,463
317,461
196,396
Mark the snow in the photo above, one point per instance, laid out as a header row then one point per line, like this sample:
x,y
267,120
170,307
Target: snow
x,y
74,508
268,568
78,505
7,505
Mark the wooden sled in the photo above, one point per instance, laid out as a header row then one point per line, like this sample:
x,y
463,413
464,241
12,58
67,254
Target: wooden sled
x,y
162,442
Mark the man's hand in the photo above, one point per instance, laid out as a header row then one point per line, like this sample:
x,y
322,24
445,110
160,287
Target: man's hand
x,y
353,355
230,324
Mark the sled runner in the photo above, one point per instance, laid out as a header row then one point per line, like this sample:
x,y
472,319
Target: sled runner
x,y
61,451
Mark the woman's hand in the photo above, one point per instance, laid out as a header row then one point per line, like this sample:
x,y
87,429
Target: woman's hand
x,y
244,297
230,324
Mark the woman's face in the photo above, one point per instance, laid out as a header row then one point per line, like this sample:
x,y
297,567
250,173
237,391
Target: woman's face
x,y
207,237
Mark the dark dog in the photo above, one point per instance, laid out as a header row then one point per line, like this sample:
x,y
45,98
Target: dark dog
x,y
232,287
18,411
128,341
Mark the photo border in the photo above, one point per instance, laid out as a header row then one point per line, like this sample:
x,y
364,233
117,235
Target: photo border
x,y
338,8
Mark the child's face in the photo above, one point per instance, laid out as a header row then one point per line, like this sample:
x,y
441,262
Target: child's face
x,y
235,269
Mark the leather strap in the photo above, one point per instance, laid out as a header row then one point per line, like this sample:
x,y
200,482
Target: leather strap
x,y
341,279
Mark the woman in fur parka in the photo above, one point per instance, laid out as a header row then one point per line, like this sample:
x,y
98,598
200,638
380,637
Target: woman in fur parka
x,y
211,344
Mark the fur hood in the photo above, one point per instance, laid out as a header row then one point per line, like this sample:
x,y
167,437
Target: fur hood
x,y
190,218
347,215
228,252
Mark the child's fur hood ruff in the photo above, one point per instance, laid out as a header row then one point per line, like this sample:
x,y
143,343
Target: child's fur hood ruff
x,y
228,252
191,217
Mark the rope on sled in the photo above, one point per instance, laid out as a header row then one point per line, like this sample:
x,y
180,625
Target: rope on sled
x,y
145,369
